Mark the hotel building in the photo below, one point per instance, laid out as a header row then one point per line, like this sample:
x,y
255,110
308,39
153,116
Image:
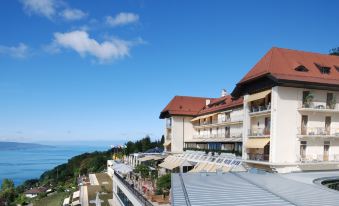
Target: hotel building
x,y
291,116
206,124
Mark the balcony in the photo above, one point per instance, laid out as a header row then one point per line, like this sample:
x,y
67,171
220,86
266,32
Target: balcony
x,y
259,132
319,158
258,157
237,153
168,136
261,110
318,106
220,122
318,132
217,136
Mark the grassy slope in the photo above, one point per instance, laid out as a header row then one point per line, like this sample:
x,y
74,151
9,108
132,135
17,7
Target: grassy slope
x,y
53,200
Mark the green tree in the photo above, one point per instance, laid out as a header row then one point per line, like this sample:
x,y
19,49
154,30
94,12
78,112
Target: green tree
x,y
164,184
143,170
130,147
8,190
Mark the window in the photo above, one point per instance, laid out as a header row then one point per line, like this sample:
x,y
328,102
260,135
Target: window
x,y
124,199
323,69
301,68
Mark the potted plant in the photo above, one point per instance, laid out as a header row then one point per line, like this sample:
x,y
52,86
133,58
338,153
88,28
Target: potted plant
x,y
308,100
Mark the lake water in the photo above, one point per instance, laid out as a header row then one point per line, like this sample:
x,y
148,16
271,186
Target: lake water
x,y
20,165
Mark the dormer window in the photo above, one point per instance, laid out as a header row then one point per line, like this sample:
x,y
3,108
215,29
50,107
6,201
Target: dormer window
x,y
301,68
336,67
323,69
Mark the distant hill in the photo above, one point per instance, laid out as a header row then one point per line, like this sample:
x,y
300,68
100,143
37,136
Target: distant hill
x,y
20,146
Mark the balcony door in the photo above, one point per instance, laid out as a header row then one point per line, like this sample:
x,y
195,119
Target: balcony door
x,y
326,150
304,121
328,125
303,146
267,125
227,132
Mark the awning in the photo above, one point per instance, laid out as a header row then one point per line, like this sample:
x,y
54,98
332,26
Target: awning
x,y
167,143
257,143
203,117
151,157
259,95
169,165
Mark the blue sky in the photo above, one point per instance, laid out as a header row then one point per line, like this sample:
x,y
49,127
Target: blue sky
x,y
103,70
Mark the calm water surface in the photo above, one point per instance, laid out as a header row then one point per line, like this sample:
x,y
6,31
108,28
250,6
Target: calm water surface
x,y
24,164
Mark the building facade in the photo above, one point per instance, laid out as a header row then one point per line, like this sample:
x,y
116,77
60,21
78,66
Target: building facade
x,y
206,124
290,111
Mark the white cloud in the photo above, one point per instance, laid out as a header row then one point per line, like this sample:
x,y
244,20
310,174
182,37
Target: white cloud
x,y
122,19
82,43
20,51
73,14
52,9
45,8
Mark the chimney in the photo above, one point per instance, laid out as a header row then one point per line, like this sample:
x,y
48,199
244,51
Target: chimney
x,y
224,93
208,101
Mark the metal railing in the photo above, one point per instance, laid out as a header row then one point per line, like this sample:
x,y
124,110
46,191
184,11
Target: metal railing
x,y
258,157
259,131
318,104
236,152
143,200
318,131
319,158
214,136
238,118
261,108
168,136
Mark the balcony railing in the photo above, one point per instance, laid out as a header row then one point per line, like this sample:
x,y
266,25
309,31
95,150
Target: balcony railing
x,y
217,136
262,108
318,131
319,105
220,121
259,132
135,192
168,136
237,153
319,158
258,157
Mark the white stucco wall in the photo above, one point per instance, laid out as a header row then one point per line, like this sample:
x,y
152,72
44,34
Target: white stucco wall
x,y
284,123
181,129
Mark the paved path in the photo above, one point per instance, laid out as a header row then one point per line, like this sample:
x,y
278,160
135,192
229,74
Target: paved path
x,y
83,196
93,179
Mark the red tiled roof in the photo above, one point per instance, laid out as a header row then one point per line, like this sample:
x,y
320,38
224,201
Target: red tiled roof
x,y
222,103
184,105
281,64
194,106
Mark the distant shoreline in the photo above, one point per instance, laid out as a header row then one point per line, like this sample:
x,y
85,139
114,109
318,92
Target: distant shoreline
x,y
21,146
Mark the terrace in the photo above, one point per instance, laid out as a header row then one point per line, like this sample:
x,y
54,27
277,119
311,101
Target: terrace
x,y
259,132
318,132
313,103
